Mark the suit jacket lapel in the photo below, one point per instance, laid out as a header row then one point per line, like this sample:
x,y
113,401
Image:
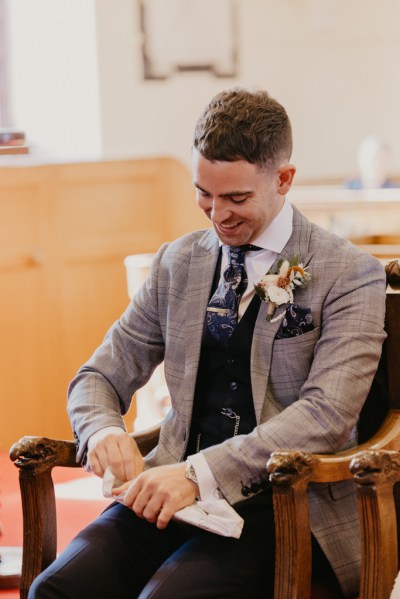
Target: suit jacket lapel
x,y
299,241
265,331
201,272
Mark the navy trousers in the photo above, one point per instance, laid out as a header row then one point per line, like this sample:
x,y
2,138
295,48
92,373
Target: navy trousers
x,y
120,555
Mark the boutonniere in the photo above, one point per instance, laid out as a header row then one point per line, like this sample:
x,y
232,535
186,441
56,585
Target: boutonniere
x,y
277,288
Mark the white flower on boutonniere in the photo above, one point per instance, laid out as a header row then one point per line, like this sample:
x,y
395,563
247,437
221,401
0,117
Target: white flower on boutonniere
x,y
277,288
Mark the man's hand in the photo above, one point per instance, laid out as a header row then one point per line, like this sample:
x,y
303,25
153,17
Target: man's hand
x,y
120,452
158,493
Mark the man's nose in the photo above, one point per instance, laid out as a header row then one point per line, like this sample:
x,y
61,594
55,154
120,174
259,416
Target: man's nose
x,y
219,210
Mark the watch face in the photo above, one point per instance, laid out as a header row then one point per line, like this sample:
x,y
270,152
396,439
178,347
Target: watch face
x,y
190,472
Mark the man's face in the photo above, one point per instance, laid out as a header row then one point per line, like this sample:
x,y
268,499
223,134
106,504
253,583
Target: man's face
x,y
241,199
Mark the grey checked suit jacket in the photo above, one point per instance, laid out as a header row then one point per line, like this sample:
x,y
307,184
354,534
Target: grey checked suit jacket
x,y
308,390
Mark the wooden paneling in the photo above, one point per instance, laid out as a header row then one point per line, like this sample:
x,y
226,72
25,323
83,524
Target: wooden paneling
x,y
64,233
21,299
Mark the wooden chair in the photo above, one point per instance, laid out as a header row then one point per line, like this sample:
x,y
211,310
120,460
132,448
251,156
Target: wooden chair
x,y
290,473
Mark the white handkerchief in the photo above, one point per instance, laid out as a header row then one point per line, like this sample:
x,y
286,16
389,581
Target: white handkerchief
x,y
109,482
396,589
216,516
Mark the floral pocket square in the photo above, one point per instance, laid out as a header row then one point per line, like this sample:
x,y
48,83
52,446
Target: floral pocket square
x,y
296,321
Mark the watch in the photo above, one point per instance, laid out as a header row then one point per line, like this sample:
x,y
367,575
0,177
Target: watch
x,y
190,472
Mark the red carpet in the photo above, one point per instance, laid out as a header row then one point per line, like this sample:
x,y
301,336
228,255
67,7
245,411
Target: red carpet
x,y
72,514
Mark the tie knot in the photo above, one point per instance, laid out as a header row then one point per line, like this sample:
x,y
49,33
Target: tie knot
x,y
236,252
249,247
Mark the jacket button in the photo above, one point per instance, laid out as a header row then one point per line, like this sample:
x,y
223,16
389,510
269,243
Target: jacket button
x,y
230,360
246,491
233,386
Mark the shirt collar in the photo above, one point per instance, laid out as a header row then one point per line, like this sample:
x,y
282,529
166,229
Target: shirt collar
x,y
277,234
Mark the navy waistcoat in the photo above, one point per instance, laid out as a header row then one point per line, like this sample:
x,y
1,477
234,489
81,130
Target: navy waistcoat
x,y
223,401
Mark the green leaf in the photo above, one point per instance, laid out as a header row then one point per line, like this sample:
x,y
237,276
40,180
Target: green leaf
x,y
260,292
294,260
279,264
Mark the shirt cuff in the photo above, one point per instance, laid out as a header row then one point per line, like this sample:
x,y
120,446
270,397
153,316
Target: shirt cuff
x,y
206,482
103,432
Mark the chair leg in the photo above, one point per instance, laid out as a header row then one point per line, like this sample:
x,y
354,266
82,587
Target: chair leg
x,y
40,537
375,473
289,474
35,458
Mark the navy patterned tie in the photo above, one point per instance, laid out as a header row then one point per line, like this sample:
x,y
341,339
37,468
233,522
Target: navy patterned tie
x,y
223,307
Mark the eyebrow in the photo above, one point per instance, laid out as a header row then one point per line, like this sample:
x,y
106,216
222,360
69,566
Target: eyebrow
x,y
225,195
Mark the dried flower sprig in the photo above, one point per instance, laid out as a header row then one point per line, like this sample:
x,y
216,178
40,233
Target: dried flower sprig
x,y
277,288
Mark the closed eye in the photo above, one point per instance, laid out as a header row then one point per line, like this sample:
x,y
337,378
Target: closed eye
x,y
237,199
202,192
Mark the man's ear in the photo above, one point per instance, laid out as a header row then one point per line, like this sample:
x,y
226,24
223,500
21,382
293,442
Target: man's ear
x,y
286,174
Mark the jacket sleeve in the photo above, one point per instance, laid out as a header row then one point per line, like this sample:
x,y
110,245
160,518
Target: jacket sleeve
x,y
102,390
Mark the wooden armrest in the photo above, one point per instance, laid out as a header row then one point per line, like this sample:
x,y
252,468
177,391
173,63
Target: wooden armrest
x,y
35,457
147,438
41,453
336,467
290,473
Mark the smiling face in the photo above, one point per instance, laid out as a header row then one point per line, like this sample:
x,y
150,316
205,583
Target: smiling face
x,y
240,198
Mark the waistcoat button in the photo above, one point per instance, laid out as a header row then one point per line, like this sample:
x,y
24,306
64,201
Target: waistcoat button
x,y
233,386
246,491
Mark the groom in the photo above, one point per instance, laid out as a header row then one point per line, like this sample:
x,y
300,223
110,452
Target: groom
x,y
288,367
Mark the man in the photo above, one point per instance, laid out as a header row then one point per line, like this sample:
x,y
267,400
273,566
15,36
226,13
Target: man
x,y
290,372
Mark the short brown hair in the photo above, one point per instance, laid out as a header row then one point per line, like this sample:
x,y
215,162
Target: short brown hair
x,y
240,124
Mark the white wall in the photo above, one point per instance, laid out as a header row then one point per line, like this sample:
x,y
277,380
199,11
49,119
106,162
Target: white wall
x,y
53,74
334,64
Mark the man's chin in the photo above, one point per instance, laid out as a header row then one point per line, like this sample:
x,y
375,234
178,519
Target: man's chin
x,y
234,237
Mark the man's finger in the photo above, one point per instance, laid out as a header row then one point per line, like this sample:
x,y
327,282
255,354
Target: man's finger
x,y
132,459
164,517
152,510
98,460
